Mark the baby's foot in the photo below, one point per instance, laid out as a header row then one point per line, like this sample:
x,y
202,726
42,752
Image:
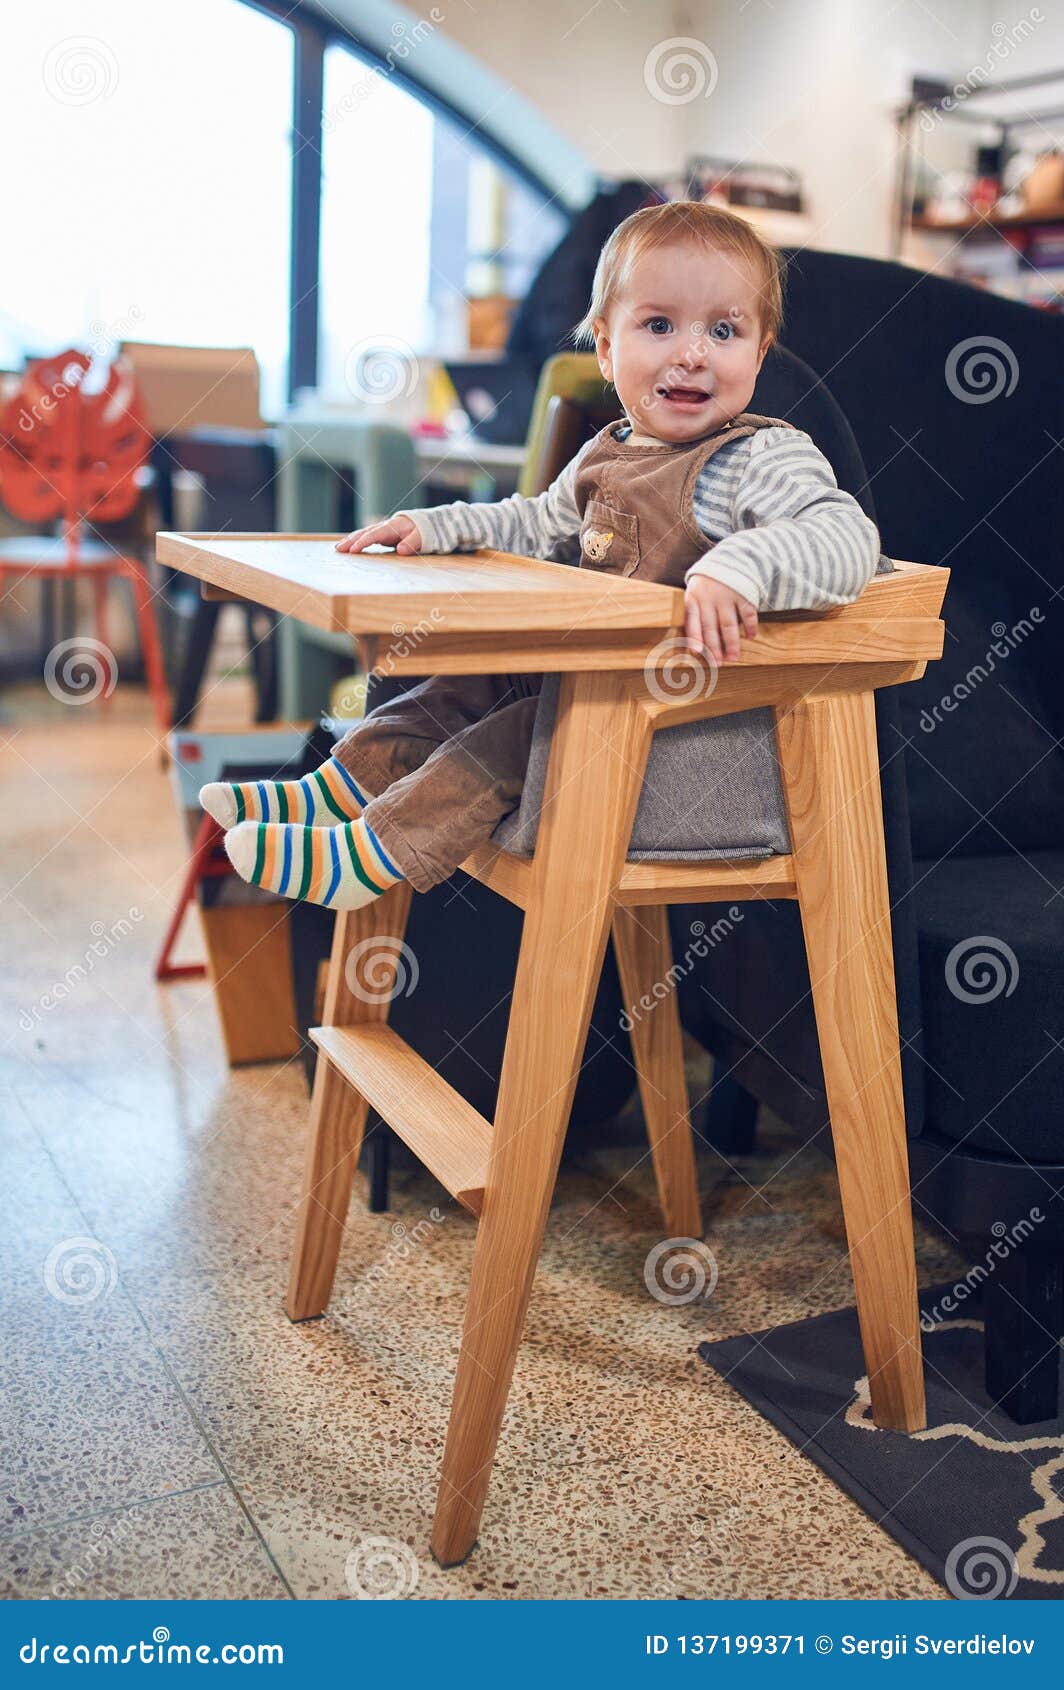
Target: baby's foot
x,y
342,867
320,799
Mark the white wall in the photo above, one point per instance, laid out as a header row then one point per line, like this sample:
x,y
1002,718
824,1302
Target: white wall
x,y
808,83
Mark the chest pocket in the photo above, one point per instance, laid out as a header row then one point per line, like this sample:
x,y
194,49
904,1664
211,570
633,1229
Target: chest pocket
x,y
609,539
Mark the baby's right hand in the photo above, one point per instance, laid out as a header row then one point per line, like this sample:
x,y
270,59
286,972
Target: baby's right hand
x,y
397,531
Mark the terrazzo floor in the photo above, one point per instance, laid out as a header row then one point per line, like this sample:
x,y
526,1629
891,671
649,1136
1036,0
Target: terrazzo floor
x,y
168,1433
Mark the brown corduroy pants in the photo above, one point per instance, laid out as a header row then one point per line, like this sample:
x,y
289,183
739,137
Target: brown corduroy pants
x,y
444,762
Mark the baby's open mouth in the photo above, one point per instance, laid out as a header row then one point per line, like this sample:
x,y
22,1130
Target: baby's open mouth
x,y
684,398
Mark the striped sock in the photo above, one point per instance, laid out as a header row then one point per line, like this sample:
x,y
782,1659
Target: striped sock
x,y
320,799
343,867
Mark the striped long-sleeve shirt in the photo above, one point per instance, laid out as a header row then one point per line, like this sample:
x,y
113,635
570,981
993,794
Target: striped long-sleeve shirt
x,y
786,536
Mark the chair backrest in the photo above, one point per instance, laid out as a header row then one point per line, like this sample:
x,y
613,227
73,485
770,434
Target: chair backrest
x,y
572,403
68,453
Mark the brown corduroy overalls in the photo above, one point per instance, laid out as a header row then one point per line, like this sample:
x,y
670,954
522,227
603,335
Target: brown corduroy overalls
x,y
447,760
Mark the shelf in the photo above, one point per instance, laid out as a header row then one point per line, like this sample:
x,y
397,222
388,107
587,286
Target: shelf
x,y
962,225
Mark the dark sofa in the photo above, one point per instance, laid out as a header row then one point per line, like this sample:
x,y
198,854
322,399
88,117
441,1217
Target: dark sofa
x,y
973,806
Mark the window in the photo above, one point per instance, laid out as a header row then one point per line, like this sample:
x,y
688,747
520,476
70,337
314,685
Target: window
x,y
415,215
153,200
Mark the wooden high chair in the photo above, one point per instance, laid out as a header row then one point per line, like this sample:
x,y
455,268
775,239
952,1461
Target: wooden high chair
x,y
611,638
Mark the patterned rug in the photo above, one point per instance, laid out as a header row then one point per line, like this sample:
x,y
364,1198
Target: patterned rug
x,y
978,1500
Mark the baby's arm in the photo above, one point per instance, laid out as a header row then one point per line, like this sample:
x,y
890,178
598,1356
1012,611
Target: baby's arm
x,y
798,542
528,527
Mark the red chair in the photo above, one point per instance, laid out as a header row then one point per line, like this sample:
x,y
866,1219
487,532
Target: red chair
x,y
74,456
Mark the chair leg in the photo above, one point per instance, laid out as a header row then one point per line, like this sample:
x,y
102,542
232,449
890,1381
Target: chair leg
x,y
644,959
194,660
149,643
337,1111
100,585
598,753
730,1123
830,770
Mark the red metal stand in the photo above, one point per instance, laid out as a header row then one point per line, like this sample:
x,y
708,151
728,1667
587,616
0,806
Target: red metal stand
x,y
208,862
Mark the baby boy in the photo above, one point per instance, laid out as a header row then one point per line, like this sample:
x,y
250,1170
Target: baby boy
x,y
688,488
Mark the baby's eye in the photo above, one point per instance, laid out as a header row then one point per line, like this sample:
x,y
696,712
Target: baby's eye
x,y
658,325
728,330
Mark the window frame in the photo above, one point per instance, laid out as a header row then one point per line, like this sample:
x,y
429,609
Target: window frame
x,y
313,33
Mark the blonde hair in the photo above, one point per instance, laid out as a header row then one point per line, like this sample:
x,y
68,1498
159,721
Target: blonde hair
x,y
697,224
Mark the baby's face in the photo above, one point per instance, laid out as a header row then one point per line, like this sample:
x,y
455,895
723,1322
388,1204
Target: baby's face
x,y
683,343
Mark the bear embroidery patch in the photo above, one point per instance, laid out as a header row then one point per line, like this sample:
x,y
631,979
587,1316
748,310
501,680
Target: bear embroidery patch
x,y
597,542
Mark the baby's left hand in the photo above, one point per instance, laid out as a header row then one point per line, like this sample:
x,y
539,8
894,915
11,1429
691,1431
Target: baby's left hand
x,y
715,616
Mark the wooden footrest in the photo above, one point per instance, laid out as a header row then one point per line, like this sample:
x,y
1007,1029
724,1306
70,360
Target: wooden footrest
x,y
440,1127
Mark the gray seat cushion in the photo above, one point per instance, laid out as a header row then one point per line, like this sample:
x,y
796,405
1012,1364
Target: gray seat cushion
x,y
711,789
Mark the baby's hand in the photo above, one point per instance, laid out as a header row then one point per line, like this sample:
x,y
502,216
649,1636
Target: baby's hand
x,y
397,531
715,616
